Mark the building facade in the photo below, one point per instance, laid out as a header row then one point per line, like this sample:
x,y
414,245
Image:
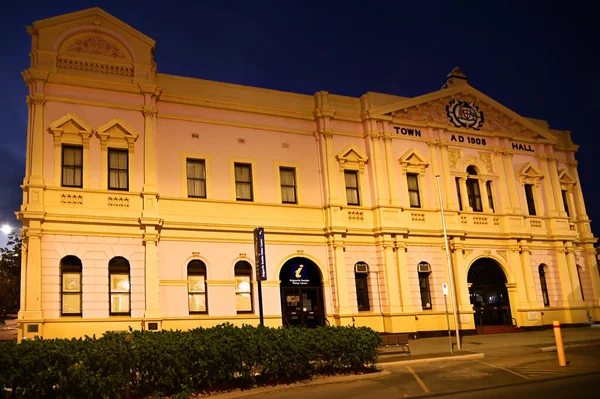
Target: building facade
x,y
143,190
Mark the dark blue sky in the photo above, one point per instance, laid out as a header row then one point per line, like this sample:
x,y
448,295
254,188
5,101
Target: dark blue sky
x,y
541,59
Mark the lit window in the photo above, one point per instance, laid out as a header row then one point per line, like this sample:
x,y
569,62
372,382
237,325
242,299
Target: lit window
x,y
72,166
425,290
243,287
118,170
352,196
120,288
197,286
288,185
70,269
243,182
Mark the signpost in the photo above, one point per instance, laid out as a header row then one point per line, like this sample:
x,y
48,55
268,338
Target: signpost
x,y
261,266
445,292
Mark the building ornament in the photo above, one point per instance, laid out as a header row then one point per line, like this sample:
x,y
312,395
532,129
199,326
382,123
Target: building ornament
x,y
486,158
149,111
502,254
36,99
97,45
453,157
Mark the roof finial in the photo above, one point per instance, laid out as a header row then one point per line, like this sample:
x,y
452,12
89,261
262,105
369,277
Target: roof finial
x,y
456,77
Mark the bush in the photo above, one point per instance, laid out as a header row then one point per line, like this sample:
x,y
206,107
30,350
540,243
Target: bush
x,y
143,363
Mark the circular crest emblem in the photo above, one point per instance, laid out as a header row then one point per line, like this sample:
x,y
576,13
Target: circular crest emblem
x,y
464,114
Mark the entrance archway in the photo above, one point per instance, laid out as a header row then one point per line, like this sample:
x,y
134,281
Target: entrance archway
x,y
488,293
301,293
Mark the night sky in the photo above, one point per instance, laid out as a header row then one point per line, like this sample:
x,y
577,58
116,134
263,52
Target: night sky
x,y
540,59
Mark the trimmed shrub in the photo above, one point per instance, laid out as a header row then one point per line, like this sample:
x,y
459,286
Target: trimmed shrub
x,y
143,363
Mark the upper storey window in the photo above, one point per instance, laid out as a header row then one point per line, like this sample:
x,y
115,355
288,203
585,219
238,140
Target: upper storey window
x,y
473,190
72,166
118,169
243,182
352,194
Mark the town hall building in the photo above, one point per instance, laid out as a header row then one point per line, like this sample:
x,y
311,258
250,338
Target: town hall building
x,y
143,190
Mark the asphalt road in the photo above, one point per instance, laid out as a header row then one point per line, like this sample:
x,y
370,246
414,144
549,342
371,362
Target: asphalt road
x,y
529,376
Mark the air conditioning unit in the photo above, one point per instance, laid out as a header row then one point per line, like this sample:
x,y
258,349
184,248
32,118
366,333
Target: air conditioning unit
x,y
424,267
361,268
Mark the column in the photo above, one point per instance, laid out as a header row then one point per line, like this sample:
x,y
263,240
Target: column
x,y
152,288
448,183
516,266
391,276
528,277
512,183
555,183
564,276
485,202
592,266
37,100
405,285
461,285
395,193
464,197
550,197
502,183
341,279
31,306
573,274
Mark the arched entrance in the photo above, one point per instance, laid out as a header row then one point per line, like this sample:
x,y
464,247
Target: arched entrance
x,y
488,293
301,293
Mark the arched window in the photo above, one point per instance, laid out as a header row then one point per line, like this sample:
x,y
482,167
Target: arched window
x,y
243,287
197,286
424,270
70,271
473,191
361,274
120,287
542,271
579,278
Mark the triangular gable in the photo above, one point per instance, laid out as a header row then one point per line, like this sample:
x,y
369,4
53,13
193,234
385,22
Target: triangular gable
x,y
565,177
70,123
412,160
352,158
529,170
431,107
116,128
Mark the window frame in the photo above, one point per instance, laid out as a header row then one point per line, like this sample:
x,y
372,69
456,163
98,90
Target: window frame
x,y
71,269
293,170
488,186
565,199
109,169
544,285
474,197
357,188
416,190
74,167
188,178
530,198
197,268
460,204
119,269
245,269
362,294
251,182
427,290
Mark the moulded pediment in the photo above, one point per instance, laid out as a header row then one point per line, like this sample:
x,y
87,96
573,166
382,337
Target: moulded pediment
x,y
352,157
529,170
413,160
433,108
70,124
565,177
116,128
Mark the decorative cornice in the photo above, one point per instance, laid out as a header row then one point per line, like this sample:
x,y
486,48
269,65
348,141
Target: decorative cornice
x,y
36,99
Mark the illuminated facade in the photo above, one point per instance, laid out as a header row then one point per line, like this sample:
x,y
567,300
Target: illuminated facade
x,y
142,191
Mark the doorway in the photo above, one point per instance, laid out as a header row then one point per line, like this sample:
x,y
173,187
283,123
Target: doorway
x,y
301,293
488,293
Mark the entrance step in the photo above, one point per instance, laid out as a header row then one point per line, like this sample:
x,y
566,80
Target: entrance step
x,y
486,330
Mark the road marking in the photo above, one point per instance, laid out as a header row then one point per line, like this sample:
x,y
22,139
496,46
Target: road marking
x,y
505,369
419,380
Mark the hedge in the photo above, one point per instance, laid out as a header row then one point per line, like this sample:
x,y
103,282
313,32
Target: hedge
x,y
163,363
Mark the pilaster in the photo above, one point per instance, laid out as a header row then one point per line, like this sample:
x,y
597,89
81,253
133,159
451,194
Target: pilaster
x,y
461,285
150,240
392,281
515,262
374,139
554,179
435,168
503,182
31,307
404,276
447,178
592,267
512,183
528,277
391,168
464,197
341,278
550,197
564,276
485,202
574,275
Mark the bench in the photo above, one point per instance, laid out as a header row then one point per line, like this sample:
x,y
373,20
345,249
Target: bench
x,y
399,340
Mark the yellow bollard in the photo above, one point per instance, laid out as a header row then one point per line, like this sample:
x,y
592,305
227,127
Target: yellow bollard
x,y
560,349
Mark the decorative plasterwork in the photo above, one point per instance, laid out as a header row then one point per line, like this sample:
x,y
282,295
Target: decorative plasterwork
x,y
352,158
96,45
454,157
477,163
566,181
70,124
529,174
413,162
486,158
116,129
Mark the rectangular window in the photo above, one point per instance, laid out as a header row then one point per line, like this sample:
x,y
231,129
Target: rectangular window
x,y
425,291
288,185
72,166
71,292
362,292
352,196
243,182
118,170
530,200
196,178
474,195
413,190
488,185
460,206
119,293
243,293
565,201
197,293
